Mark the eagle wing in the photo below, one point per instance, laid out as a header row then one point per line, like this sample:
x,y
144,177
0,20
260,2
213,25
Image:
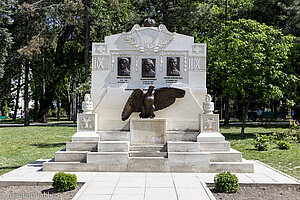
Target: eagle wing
x,y
133,104
166,96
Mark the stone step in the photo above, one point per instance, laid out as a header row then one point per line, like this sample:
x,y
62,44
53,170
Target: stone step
x,y
114,135
182,146
236,167
148,154
81,146
190,136
214,146
226,156
107,157
148,164
113,146
70,156
148,148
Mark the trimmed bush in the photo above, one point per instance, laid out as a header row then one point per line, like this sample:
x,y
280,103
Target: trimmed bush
x,y
226,182
64,182
262,142
283,144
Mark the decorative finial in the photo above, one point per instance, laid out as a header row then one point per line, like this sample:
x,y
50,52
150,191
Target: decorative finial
x,y
149,22
208,106
87,105
207,98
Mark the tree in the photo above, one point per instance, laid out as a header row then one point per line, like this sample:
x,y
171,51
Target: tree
x,y
255,57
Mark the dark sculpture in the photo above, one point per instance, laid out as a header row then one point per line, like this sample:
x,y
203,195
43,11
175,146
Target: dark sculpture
x,y
148,67
173,66
150,102
149,22
123,66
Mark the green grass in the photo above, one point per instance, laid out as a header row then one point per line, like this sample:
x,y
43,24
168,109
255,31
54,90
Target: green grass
x,y
287,161
22,145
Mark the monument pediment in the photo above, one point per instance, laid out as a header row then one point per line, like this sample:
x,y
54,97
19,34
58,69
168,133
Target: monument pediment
x,y
149,38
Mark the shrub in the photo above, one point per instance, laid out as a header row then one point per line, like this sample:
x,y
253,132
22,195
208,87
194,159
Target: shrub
x,y
226,182
283,144
262,142
64,182
280,135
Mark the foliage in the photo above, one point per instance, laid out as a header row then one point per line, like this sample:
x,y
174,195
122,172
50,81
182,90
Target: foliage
x,y
226,182
283,144
262,142
64,182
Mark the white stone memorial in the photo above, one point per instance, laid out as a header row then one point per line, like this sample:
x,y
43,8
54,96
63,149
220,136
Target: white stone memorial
x,y
183,137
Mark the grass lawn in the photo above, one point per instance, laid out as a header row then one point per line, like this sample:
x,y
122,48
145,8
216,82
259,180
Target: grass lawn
x,y
22,145
287,161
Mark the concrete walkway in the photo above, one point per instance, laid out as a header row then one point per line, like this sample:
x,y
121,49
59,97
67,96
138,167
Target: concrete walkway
x,y
144,186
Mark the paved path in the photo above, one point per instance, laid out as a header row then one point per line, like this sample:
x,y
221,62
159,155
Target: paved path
x,y
144,186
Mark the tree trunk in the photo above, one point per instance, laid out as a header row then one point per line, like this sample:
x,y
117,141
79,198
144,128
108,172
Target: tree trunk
x,y
245,112
74,101
17,98
26,95
86,38
45,104
58,107
226,113
36,108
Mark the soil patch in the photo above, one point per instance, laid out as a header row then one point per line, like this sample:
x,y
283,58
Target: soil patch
x,y
36,192
258,192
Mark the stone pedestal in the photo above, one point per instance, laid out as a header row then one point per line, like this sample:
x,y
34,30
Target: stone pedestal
x,y
86,128
147,131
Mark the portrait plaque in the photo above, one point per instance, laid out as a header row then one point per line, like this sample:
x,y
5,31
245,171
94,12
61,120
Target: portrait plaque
x,y
173,66
148,67
124,66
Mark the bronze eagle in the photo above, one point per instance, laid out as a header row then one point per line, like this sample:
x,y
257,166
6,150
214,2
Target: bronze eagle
x,y
149,102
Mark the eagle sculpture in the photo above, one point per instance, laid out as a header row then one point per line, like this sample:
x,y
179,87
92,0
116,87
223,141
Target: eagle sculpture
x,y
149,102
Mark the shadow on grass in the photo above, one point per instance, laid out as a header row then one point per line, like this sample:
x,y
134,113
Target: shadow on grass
x,y
256,125
10,167
47,145
237,136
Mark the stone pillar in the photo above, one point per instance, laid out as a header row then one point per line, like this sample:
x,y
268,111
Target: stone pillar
x,y
209,123
87,122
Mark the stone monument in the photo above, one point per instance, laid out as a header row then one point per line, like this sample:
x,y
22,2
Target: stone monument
x,y
181,137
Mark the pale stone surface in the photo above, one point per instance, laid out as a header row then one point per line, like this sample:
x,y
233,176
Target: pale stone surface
x,y
148,131
189,157
82,146
70,156
231,156
107,157
87,104
159,44
85,136
113,146
210,137
147,164
214,146
87,122
209,123
183,146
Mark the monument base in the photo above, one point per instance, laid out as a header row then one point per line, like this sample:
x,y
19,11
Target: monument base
x,y
147,131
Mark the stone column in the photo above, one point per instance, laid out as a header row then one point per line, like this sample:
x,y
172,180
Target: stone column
x,y
87,122
209,123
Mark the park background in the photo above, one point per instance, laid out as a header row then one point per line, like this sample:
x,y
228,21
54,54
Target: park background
x,y
252,62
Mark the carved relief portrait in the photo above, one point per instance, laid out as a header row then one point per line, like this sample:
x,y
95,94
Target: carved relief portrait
x,y
124,66
148,67
173,66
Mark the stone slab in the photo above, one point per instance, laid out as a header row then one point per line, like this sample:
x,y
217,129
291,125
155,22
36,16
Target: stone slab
x,y
209,123
148,164
107,157
183,146
228,156
148,131
70,156
113,146
85,136
114,135
214,146
188,157
210,137
82,146
87,122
